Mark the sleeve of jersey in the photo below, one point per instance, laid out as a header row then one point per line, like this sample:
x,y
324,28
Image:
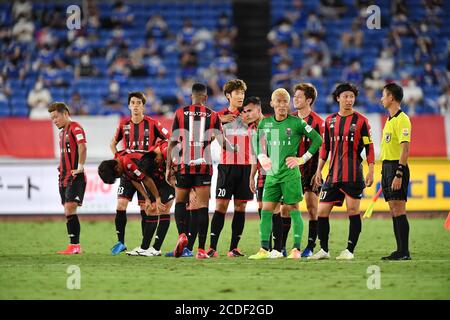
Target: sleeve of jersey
x,y
161,132
175,129
217,123
79,134
316,139
367,141
404,130
134,170
259,140
119,133
325,148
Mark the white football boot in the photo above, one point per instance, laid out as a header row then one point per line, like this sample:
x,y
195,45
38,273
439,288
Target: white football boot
x,y
320,255
135,252
274,254
345,255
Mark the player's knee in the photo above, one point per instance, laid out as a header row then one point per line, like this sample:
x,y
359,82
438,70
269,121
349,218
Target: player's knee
x,y
70,208
122,204
240,206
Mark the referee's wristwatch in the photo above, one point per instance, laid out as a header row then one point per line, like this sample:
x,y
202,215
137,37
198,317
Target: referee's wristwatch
x,y
398,175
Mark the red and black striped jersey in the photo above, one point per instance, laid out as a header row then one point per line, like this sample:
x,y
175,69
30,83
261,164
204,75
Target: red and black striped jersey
x,y
194,127
316,122
252,128
159,175
346,137
130,164
69,139
140,136
236,132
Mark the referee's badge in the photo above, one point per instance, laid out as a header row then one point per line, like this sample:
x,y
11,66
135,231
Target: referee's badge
x,y
405,132
387,137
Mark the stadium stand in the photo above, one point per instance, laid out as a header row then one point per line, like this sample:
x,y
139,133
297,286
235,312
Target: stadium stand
x,y
162,46
324,42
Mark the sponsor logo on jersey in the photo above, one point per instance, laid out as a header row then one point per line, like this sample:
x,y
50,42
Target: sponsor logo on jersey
x,y
405,132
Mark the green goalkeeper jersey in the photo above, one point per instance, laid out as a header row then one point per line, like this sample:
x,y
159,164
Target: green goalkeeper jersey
x,y
280,140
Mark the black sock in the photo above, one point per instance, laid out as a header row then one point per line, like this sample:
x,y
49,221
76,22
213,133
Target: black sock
x,y
181,217
203,223
403,228
143,215
73,228
397,235
277,230
323,230
237,227
353,232
151,222
259,213
121,222
163,226
217,223
193,229
312,234
286,227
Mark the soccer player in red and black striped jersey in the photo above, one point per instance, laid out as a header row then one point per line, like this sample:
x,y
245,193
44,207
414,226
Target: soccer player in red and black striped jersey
x,y
233,171
138,167
304,96
72,180
194,128
137,133
346,135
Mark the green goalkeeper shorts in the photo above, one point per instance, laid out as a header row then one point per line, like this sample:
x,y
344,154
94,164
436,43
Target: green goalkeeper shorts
x,y
289,191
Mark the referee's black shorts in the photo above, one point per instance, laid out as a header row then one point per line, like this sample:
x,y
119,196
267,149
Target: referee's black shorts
x,y
387,176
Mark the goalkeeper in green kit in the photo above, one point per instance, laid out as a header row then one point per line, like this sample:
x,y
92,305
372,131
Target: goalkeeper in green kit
x,y
276,145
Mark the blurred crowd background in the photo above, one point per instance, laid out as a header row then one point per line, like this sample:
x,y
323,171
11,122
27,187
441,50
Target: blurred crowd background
x,y
163,47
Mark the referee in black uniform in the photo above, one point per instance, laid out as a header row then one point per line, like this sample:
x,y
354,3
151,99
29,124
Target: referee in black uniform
x,y
395,172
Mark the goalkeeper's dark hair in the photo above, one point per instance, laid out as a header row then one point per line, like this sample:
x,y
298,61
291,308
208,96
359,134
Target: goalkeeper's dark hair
x,y
395,90
107,171
147,163
342,87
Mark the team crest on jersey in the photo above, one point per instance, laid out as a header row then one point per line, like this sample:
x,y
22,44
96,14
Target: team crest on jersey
x,y
387,137
146,132
353,127
288,131
126,127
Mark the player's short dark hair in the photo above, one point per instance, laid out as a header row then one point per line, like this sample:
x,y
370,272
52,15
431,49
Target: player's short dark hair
x,y
137,94
235,84
395,90
107,171
308,89
342,87
199,88
147,163
60,107
255,100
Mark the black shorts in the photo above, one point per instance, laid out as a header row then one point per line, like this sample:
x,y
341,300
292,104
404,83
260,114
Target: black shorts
x,y
388,171
166,192
233,181
74,191
335,192
307,184
127,190
259,193
188,181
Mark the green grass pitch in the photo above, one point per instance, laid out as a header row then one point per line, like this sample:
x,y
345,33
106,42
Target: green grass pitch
x,y
29,268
